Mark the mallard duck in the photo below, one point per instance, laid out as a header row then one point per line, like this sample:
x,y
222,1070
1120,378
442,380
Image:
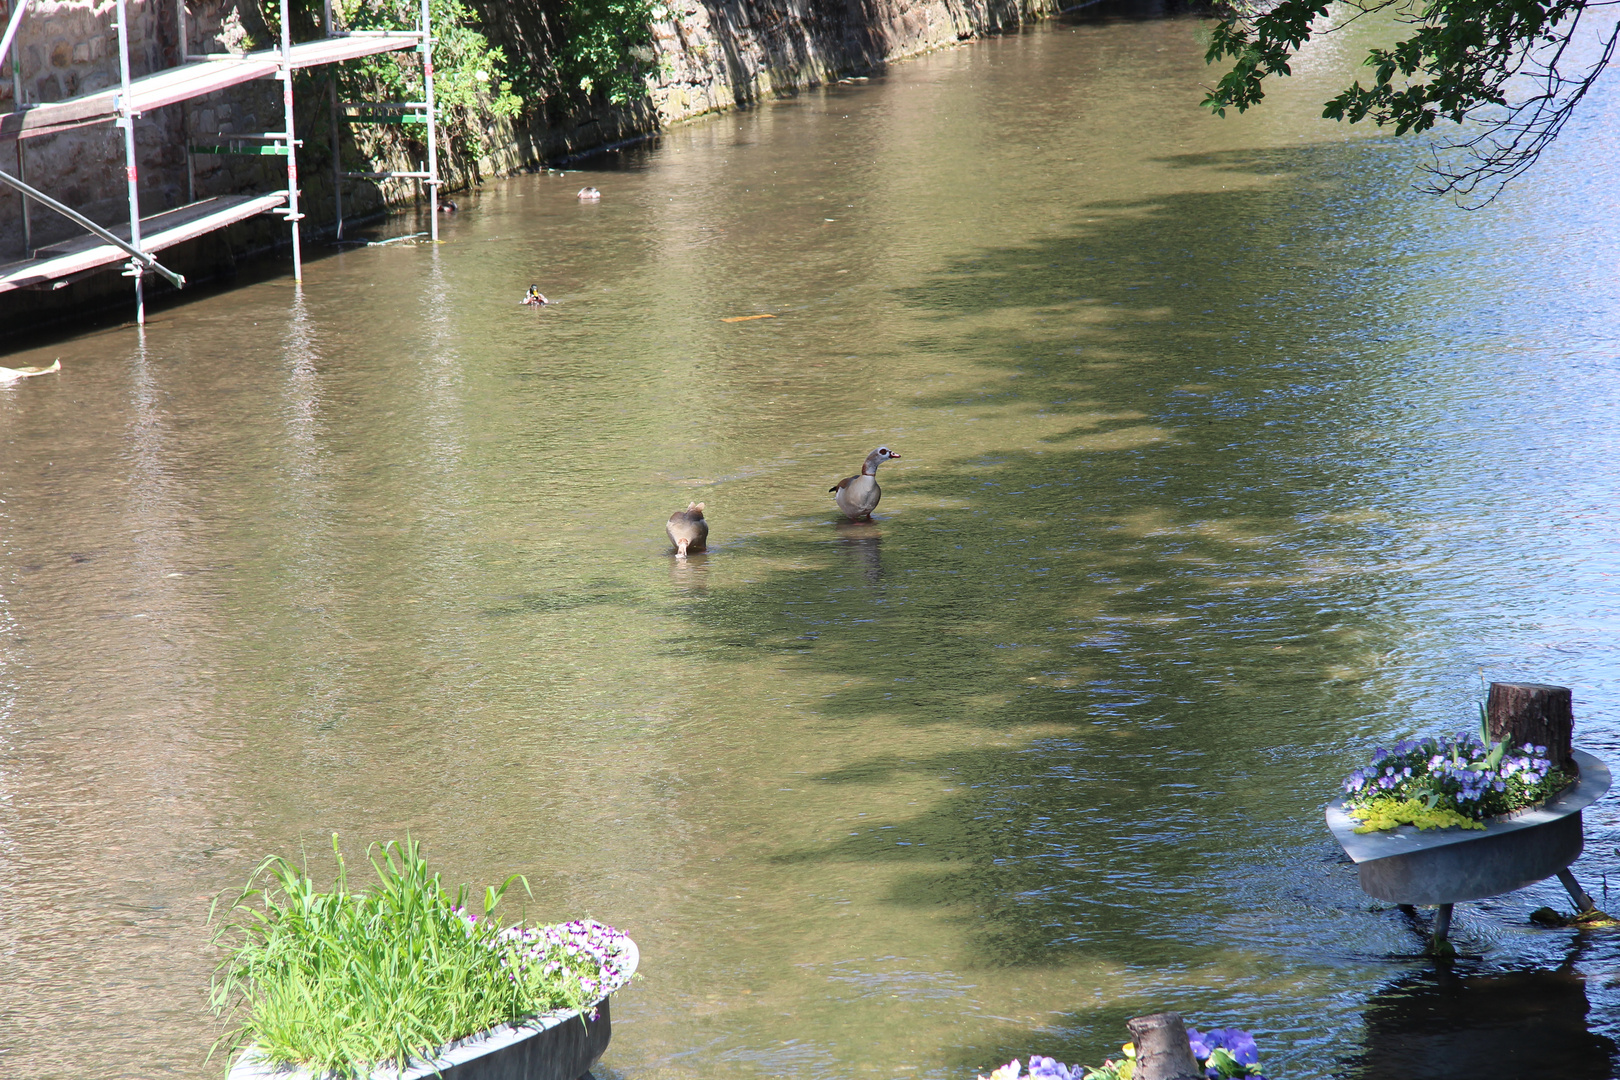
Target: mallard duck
x,y
535,296
687,530
589,194
857,496
8,374
448,207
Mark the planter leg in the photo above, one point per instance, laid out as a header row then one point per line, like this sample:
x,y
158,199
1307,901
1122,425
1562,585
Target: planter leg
x,y
1438,945
1583,902
1587,915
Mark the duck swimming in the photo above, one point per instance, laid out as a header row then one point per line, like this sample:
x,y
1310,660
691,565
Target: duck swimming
x,y
589,194
687,530
535,296
857,496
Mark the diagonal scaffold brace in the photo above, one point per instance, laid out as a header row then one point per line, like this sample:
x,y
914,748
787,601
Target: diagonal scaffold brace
x,y
147,261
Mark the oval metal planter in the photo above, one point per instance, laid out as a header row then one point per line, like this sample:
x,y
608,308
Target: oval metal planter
x,y
1444,866
557,1046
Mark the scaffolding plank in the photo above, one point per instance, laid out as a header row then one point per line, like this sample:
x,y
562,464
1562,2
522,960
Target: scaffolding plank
x,y
192,80
60,263
335,49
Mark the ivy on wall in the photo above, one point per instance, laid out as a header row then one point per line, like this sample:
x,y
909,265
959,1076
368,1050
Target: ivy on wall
x,y
471,78
606,47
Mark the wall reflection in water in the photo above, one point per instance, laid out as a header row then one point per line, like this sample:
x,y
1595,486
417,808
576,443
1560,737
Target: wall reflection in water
x,y
1449,1023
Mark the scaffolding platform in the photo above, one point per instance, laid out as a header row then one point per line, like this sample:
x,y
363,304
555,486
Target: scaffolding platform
x,y
57,265
200,76
61,264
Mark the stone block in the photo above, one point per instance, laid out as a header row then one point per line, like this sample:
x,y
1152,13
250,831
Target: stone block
x,y
61,53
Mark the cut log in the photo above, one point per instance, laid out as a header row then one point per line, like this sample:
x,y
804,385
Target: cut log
x,y
1163,1051
1534,713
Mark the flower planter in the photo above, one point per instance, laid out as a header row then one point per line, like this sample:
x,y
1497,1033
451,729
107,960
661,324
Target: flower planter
x,y
558,1046
1444,866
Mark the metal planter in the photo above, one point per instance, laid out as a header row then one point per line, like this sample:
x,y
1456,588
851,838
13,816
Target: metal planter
x,y
561,1046
1445,866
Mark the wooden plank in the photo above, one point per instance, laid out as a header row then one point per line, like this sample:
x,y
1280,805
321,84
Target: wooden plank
x,y
333,50
191,80
73,258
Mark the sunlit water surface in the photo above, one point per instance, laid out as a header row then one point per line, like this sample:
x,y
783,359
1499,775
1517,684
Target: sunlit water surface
x,y
1225,456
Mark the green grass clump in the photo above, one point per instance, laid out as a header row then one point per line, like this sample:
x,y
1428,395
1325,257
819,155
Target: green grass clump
x,y
340,981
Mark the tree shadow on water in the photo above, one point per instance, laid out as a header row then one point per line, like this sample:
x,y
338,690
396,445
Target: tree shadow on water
x,y
1172,596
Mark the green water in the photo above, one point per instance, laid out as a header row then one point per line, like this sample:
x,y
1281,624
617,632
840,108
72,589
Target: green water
x,y
1226,455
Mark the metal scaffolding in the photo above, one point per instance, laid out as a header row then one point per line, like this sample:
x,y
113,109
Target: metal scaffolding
x,y
58,265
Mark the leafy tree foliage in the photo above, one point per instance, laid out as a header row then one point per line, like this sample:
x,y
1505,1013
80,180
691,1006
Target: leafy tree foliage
x,y
606,47
469,75
1519,68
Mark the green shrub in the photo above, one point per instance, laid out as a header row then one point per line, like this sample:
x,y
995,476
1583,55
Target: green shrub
x,y
342,981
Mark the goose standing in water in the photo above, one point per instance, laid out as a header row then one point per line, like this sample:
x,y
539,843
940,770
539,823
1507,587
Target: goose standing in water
x,y
857,496
687,530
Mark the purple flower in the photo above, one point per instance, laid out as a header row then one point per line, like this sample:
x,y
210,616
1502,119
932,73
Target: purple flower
x,y
1045,1068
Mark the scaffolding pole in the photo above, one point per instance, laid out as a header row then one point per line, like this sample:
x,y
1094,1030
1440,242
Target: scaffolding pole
x,y
293,216
337,144
432,123
10,45
126,120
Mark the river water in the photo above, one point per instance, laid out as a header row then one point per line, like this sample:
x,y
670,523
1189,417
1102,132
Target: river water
x,y
1226,455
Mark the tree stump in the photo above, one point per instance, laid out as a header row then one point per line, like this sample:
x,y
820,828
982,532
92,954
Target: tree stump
x,y
1534,713
1163,1051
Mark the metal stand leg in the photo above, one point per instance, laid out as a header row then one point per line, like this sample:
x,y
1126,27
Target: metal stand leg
x,y
1438,945
1583,901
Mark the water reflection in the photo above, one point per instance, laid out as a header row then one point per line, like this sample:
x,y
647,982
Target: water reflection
x,y
1458,1022
862,544
691,574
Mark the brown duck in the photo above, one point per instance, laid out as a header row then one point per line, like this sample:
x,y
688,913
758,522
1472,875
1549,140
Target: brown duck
x,y
857,496
687,530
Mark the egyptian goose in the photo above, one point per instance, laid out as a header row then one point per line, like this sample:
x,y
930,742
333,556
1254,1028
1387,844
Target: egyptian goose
x,y
857,496
687,530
